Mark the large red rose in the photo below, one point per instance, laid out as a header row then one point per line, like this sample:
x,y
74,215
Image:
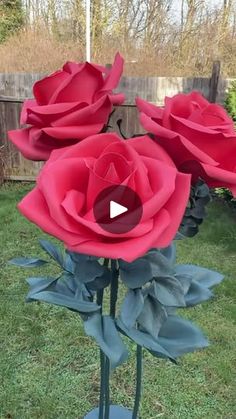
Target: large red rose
x,y
62,202
198,135
69,105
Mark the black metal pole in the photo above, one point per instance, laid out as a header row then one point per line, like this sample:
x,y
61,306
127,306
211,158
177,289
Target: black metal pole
x,y
139,367
100,294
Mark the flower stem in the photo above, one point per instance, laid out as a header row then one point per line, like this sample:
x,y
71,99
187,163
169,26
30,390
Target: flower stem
x,y
113,300
107,388
104,401
100,294
114,288
102,385
139,362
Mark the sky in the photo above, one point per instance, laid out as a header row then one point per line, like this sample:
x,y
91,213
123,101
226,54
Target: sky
x,y
177,6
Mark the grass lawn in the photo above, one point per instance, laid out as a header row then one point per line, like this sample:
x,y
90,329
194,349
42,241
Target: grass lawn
x,y
50,370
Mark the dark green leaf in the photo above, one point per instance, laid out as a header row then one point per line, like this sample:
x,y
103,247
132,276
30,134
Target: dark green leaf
x,y
104,331
189,222
188,231
101,282
160,264
39,283
142,270
69,265
144,339
135,274
65,301
80,257
152,316
87,270
53,251
169,291
131,307
179,336
27,262
205,277
198,212
185,280
197,294
201,189
170,253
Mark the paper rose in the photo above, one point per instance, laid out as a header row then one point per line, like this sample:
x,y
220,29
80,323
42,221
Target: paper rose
x,y
198,135
70,105
62,202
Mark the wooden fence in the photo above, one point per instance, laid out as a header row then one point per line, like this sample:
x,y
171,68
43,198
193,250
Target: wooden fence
x,y
15,88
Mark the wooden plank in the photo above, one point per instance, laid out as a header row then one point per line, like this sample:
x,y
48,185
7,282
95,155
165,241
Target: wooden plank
x,y
11,99
153,89
15,88
14,164
214,82
26,178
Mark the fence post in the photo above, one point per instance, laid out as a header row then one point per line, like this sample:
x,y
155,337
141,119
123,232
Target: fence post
x,y
214,81
1,165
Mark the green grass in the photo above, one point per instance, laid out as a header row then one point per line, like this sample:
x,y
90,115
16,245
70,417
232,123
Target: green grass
x,y
50,370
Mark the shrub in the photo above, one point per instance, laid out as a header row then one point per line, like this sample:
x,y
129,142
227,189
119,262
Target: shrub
x,y
230,101
226,195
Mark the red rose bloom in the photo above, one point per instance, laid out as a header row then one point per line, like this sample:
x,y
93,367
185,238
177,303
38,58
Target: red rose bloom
x,y
198,135
70,105
62,202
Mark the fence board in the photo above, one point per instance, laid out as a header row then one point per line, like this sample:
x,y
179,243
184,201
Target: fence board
x,y
14,88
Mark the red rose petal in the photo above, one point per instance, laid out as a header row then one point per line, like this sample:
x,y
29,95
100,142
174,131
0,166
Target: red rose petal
x,y
21,139
44,89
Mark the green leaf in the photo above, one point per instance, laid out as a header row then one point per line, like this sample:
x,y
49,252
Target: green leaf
x,y
185,280
152,316
131,307
205,277
72,303
142,270
170,253
87,270
104,331
27,262
53,251
160,263
144,339
188,231
198,211
201,189
135,274
101,282
197,294
38,284
69,265
169,291
179,336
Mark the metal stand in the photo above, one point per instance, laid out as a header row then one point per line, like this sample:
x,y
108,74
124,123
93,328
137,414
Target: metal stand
x,y
116,412
105,410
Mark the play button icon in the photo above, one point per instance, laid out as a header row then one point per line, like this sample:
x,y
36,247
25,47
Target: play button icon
x,y
117,209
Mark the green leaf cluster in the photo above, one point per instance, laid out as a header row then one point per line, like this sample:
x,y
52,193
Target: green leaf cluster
x,y
230,101
196,210
156,287
11,18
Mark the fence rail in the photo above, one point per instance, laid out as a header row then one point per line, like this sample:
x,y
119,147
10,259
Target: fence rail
x,y
15,88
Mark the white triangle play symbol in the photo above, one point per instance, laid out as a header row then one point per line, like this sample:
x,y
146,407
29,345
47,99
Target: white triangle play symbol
x,y
116,209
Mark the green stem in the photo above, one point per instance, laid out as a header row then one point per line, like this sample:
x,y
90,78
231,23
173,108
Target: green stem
x,y
104,401
114,288
139,362
107,388
102,385
100,294
113,300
